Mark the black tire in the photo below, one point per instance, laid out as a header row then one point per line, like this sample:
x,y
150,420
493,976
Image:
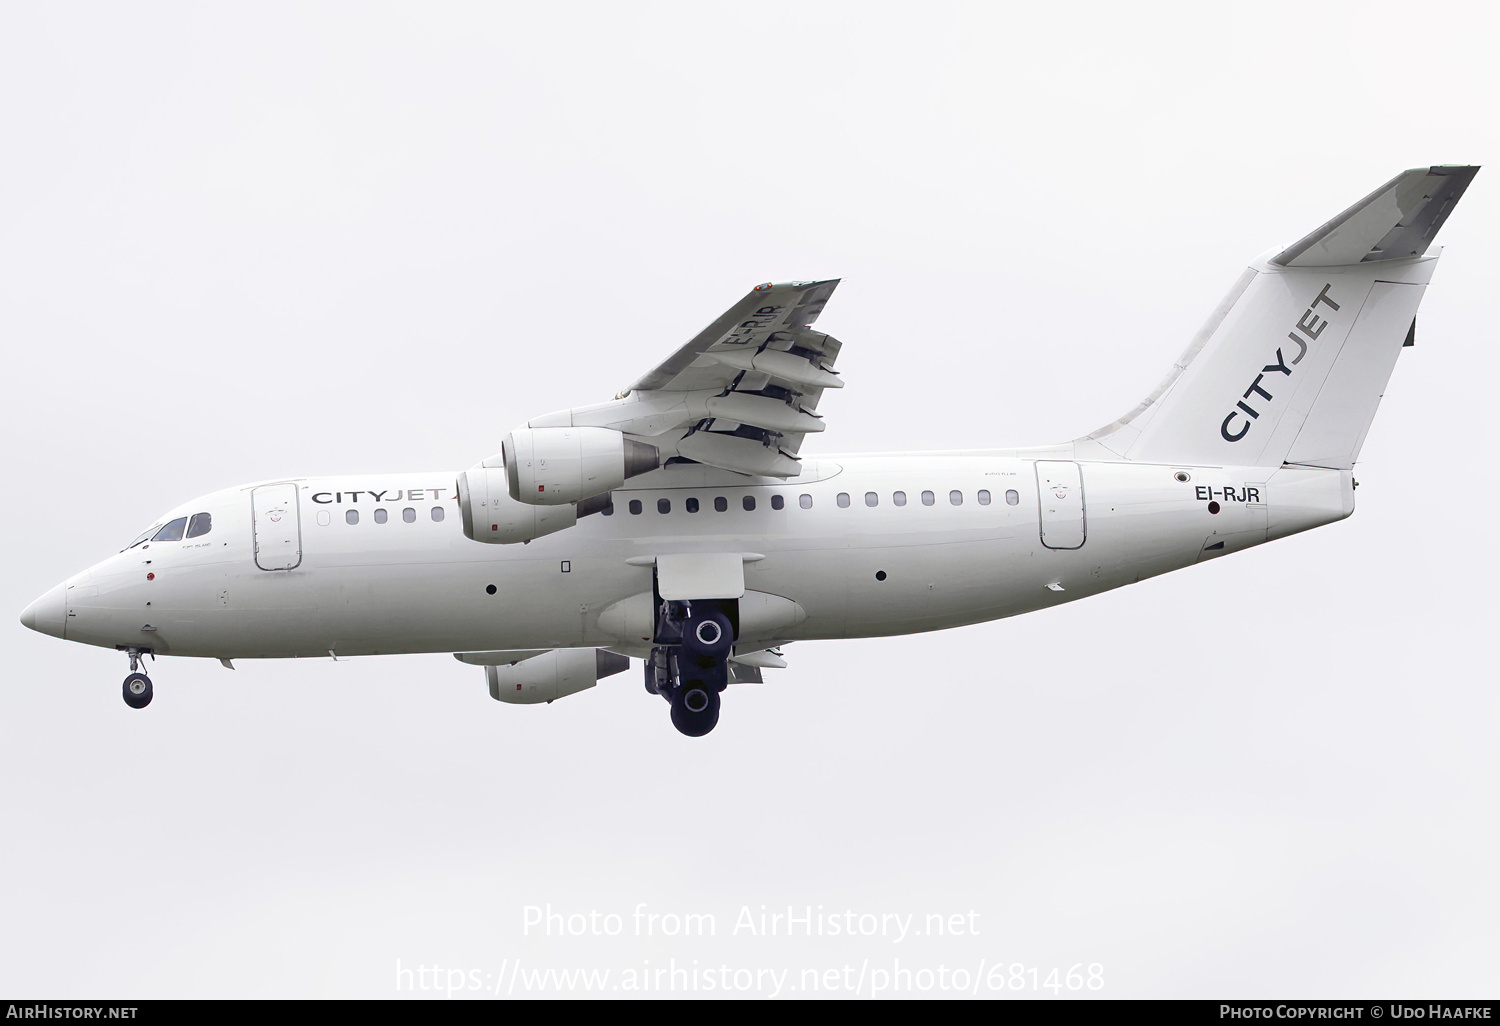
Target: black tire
x,y
708,636
137,691
715,676
695,708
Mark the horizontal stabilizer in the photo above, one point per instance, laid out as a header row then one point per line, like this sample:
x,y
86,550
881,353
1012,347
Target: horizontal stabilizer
x,y
1397,221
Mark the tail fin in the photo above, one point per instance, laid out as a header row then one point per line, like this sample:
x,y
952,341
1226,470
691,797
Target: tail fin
x,y
1291,365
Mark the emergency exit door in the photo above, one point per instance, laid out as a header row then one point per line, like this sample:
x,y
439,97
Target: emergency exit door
x,y
1060,490
278,530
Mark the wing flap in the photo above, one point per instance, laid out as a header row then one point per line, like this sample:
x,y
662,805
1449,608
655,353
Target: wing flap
x,y
741,395
743,455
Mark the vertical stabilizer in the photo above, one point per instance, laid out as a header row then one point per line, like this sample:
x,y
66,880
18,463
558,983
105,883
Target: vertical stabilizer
x,y
1291,365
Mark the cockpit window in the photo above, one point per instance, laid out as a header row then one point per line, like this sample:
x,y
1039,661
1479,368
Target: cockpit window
x,y
172,532
144,535
201,524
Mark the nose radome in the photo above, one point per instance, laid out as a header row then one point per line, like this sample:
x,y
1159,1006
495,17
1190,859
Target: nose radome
x,y
48,614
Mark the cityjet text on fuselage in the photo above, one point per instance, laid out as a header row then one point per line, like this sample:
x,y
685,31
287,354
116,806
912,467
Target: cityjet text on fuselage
x,y
382,495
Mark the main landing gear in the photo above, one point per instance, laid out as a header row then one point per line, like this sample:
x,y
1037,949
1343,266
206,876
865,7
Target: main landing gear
x,y
692,674
137,687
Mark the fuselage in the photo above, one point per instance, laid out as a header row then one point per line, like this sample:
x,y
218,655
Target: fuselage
x,y
856,546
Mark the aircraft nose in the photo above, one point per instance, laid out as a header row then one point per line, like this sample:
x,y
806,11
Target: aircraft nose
x,y
48,614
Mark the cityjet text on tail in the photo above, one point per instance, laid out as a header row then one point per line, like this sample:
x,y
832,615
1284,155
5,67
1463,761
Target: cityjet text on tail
x,y
682,523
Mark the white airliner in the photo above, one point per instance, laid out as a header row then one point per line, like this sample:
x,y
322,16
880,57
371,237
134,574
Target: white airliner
x,y
677,523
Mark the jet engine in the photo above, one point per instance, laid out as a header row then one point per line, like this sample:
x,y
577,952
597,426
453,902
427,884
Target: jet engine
x,y
552,675
551,466
491,515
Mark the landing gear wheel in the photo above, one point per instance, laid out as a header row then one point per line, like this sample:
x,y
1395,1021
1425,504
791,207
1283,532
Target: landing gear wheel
x,y
137,691
708,636
695,708
715,676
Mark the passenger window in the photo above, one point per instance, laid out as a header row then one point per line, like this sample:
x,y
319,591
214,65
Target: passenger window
x,y
1012,497
928,498
409,515
984,496
200,525
437,513
380,516
351,517
323,518
720,504
748,502
871,499
172,532
899,498
692,505
956,497
805,501
777,502
635,507
843,500
663,505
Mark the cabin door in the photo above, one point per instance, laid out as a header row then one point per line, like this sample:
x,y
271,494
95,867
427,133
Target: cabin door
x,y
278,531
1060,491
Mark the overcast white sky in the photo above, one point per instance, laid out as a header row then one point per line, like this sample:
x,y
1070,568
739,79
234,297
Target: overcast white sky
x,y
258,240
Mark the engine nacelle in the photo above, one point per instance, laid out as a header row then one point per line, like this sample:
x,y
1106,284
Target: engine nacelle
x,y
550,466
491,515
552,675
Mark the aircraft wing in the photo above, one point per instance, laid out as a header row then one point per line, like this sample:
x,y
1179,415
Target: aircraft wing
x,y
740,395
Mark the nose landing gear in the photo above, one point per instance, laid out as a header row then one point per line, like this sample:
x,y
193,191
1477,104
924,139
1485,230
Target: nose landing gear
x,y
137,691
137,687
